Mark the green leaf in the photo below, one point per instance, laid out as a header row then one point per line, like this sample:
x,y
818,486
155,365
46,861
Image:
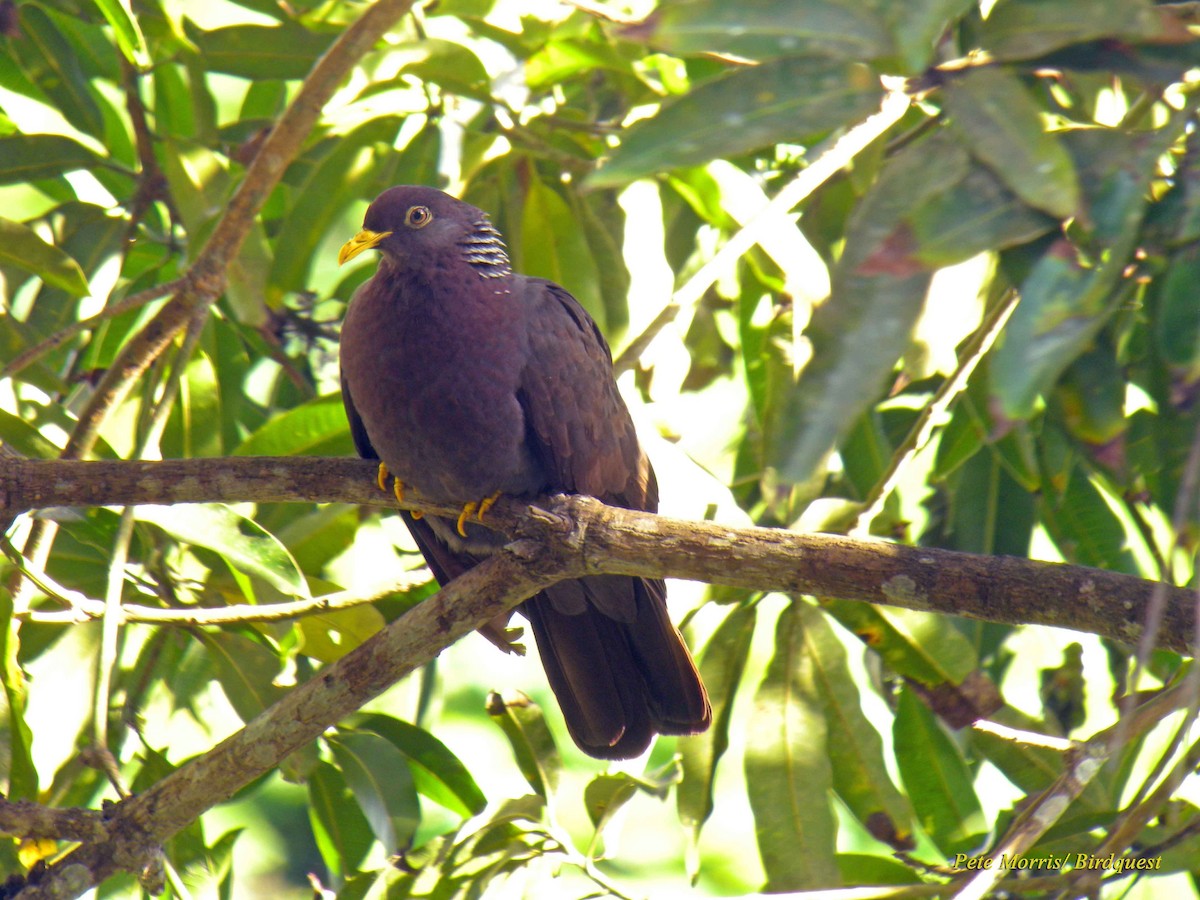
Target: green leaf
x,y
190,432
605,795
53,64
860,776
553,246
342,833
437,773
448,64
857,336
917,26
1004,128
1177,318
976,215
783,100
31,157
343,176
938,782
330,636
379,776
925,647
18,738
246,671
285,51
22,247
722,665
859,333
315,428
125,27
767,28
1021,29
788,774
562,59
244,544
533,745
1084,527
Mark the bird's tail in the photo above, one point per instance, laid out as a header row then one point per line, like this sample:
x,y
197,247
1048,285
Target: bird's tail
x,y
620,670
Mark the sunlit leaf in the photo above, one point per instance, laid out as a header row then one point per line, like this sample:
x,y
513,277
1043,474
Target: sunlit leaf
x,y
261,51
28,157
382,784
553,246
785,100
48,58
721,666
21,246
22,774
938,782
524,726
317,428
860,776
126,30
246,671
342,832
1019,29
437,773
1004,128
788,775
241,541
765,29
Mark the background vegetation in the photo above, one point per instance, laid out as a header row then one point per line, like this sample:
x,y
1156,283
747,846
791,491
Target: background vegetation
x,y
971,322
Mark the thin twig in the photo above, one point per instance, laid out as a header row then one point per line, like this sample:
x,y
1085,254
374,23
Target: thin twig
x,y
111,311
918,436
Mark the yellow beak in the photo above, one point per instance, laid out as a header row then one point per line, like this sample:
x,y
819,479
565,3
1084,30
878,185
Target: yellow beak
x,y
364,240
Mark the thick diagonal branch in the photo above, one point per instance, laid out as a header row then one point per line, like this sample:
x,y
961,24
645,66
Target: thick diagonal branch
x,y
138,825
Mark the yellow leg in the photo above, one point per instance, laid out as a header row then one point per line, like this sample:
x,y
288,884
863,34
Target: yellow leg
x,y
397,488
478,510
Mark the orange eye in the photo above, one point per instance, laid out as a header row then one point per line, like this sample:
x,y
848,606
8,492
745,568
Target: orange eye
x,y
418,217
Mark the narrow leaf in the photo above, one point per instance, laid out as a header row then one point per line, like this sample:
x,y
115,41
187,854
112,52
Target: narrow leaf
x,y
342,833
382,784
317,427
30,157
938,782
523,724
788,775
437,772
721,667
839,28
860,776
126,30
244,544
783,100
1003,126
22,247
246,671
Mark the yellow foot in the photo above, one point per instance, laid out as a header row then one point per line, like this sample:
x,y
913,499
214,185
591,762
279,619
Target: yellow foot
x,y
397,487
478,510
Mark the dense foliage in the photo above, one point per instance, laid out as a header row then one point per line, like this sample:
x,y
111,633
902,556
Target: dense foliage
x,y
979,329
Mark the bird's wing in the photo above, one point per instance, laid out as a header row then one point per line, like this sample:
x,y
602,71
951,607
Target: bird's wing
x,y
358,431
577,425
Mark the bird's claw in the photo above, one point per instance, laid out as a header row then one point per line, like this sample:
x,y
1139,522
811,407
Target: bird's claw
x,y
476,510
397,488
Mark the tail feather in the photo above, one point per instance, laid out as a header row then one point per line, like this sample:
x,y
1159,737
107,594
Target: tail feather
x,y
617,682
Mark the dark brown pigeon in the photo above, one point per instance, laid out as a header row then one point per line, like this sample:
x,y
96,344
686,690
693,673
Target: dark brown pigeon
x,y
467,381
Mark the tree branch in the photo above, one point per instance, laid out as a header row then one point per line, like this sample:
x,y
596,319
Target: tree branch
x,y
1012,590
136,826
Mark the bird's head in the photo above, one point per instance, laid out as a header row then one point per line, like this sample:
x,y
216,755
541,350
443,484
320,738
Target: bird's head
x,y
412,223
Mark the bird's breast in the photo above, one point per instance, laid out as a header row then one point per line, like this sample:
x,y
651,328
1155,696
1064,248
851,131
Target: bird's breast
x,y
434,370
